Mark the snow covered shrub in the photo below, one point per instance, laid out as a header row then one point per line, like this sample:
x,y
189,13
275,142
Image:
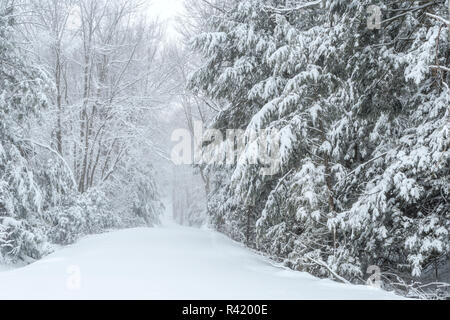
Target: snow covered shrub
x,y
98,212
20,241
81,214
136,200
54,178
20,195
146,206
68,224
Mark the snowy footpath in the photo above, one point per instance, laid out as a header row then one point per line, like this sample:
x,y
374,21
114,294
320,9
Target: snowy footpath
x,y
168,262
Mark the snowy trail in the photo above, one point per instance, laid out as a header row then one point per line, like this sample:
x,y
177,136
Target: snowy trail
x,y
169,262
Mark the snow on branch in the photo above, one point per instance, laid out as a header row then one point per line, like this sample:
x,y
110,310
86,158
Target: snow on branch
x,y
213,6
441,68
323,264
57,154
408,11
366,163
446,22
300,7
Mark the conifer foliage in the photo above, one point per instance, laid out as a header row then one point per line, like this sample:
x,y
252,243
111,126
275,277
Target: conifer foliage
x,y
363,117
21,97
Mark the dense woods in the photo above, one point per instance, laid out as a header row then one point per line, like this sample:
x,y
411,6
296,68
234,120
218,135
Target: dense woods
x,y
362,116
80,81
355,94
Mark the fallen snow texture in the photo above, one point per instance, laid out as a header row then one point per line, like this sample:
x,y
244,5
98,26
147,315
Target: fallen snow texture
x,y
169,262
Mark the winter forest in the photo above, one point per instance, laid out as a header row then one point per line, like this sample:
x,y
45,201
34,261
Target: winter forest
x,y
308,135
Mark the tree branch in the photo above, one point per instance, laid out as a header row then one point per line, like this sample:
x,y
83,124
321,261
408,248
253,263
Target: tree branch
x,y
300,7
59,156
446,22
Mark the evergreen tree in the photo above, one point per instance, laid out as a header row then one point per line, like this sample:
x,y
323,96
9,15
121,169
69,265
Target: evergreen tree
x,y
22,95
363,124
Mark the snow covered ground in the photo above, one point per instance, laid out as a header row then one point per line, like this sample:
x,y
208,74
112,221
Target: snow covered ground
x,y
169,262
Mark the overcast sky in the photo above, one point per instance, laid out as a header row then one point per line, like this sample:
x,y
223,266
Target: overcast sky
x,y
166,10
